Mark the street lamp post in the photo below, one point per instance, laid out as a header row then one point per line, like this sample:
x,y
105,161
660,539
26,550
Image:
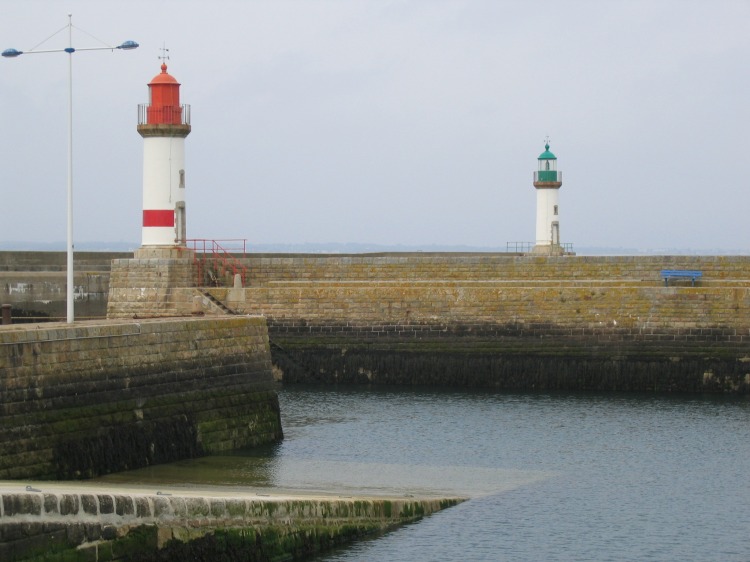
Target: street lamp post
x,y
12,53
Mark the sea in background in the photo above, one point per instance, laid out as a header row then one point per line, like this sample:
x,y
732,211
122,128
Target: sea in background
x,y
564,476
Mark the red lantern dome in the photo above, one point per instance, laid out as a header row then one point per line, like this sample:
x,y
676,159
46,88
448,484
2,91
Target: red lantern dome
x,y
164,99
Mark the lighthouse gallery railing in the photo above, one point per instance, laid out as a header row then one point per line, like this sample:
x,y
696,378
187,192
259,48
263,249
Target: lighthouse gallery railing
x,y
547,175
169,114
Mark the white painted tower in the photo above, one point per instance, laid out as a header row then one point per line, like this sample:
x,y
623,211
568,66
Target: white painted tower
x,y
164,123
547,181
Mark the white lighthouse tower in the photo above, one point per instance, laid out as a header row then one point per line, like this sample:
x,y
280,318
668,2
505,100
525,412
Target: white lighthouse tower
x,y
547,181
163,123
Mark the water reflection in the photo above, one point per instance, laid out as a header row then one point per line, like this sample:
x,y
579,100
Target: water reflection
x,y
272,470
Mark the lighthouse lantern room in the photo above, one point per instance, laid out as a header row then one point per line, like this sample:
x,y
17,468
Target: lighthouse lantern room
x,y
164,123
547,181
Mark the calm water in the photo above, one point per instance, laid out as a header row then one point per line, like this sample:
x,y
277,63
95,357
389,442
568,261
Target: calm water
x,y
551,476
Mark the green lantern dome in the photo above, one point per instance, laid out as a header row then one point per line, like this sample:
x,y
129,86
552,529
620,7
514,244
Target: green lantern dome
x,y
547,155
547,169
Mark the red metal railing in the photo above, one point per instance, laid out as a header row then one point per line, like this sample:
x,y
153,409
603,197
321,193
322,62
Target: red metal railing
x,y
215,258
173,115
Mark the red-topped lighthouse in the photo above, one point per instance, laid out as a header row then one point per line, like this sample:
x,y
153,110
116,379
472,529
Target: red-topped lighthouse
x,y
164,123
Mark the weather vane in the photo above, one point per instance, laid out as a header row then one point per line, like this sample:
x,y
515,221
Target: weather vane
x,y
164,53
546,139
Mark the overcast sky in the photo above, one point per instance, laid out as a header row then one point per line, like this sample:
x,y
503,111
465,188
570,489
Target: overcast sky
x,y
390,122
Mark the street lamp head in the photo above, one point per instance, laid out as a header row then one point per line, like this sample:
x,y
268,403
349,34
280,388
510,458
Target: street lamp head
x,y
128,45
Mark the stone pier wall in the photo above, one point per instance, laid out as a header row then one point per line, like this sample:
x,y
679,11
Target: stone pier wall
x,y
35,283
603,323
265,269
79,400
573,293
506,321
157,282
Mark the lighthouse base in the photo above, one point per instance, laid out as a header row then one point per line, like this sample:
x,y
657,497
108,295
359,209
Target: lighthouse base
x,y
163,252
142,287
550,250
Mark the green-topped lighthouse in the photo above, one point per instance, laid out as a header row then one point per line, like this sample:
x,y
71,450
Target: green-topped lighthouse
x,y
547,181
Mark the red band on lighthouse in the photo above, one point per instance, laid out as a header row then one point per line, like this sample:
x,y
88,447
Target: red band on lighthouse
x,y
158,218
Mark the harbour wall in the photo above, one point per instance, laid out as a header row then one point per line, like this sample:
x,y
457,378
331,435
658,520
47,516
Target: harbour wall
x,y
474,319
84,399
34,283
502,321
102,524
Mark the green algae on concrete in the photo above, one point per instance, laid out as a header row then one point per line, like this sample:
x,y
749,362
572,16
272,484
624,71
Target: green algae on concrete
x,y
80,524
518,363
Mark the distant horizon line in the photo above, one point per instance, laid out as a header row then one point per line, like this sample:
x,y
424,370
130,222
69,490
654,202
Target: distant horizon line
x,y
359,247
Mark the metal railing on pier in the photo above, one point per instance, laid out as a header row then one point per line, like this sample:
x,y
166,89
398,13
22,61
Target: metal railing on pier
x,y
215,259
519,247
527,247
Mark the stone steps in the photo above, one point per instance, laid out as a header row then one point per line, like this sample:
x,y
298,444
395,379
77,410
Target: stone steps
x,y
101,523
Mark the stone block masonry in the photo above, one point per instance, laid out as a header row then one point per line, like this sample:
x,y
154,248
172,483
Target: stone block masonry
x,y
503,321
576,323
34,283
152,284
67,523
267,269
79,400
